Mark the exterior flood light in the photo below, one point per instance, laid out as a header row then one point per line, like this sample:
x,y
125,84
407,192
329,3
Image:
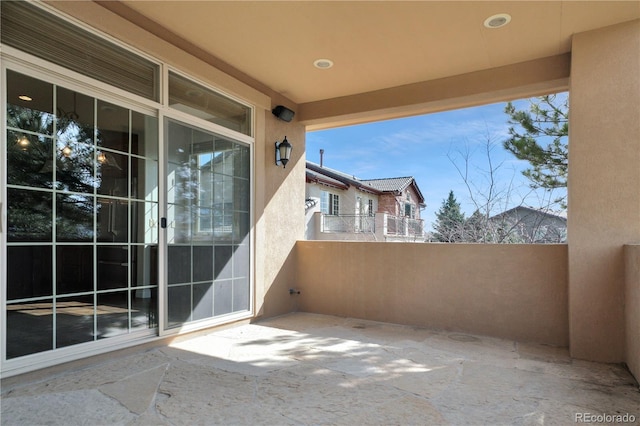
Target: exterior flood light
x,y
283,152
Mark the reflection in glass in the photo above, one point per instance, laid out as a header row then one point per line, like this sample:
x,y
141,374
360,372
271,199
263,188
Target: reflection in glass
x,y
74,218
144,222
100,244
144,179
74,167
29,272
29,328
190,97
112,174
144,135
208,216
29,160
74,269
74,320
113,127
29,215
29,103
113,263
112,220
144,308
144,266
112,314
74,116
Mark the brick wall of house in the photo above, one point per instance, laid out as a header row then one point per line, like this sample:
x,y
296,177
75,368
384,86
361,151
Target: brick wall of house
x,y
387,204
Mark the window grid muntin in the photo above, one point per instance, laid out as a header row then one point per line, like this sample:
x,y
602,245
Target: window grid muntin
x,y
95,243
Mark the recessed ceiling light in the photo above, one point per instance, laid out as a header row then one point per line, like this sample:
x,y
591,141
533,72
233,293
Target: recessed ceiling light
x,y
323,64
497,21
25,98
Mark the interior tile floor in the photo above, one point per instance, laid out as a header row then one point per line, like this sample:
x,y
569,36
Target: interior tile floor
x,y
315,369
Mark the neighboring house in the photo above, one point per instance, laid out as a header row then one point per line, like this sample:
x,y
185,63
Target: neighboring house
x,y
341,206
531,225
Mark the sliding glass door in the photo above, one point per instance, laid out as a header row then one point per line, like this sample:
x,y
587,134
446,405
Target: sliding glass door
x,y
208,224
82,218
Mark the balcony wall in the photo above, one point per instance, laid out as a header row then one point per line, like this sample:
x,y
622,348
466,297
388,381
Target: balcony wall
x,y
632,307
509,291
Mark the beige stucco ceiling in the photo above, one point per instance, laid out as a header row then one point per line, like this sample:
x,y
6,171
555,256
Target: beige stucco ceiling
x,y
373,44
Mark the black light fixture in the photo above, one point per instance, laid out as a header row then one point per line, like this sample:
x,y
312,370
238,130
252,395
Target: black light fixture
x,y
283,152
283,113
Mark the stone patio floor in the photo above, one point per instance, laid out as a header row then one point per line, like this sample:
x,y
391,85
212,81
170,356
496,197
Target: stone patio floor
x,y
316,369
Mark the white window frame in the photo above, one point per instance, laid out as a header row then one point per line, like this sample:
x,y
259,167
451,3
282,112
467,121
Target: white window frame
x,y
22,62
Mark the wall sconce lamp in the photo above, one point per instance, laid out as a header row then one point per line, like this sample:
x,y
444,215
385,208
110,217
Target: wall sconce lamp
x,y
283,152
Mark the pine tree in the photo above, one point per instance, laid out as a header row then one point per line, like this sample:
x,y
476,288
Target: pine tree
x,y
540,137
449,225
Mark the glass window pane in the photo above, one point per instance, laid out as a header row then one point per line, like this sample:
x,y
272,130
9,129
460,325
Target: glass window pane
x,y
29,272
179,224
74,269
112,220
179,298
113,127
29,328
144,222
144,135
29,103
144,179
74,116
113,264
197,100
75,167
112,314
144,308
112,174
29,160
222,294
202,301
74,218
29,215
74,320
144,266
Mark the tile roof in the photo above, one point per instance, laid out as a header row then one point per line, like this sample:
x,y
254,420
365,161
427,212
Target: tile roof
x,y
389,184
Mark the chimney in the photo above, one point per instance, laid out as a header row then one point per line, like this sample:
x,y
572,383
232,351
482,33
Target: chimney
x,y
321,155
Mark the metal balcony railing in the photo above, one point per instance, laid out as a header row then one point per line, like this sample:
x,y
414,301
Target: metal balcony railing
x,y
349,223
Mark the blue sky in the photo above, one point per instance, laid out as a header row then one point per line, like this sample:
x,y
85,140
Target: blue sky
x,y
429,147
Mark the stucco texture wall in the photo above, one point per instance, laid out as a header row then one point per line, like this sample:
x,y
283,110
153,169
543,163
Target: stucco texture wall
x,y
604,177
280,220
509,291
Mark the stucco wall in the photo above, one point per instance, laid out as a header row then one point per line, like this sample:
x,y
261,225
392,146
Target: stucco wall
x,y
604,177
632,307
509,291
